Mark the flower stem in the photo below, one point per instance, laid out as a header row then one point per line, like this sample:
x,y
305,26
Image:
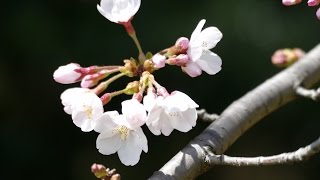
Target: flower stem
x,y
103,86
131,32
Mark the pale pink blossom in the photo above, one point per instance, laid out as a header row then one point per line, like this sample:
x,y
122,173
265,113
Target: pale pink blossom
x,y
67,74
318,13
122,133
159,61
175,111
71,95
119,10
290,2
201,58
86,109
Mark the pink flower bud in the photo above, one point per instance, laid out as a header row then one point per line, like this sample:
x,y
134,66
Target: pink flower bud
x,y
87,82
182,44
162,91
67,74
318,13
180,60
99,170
105,98
313,2
159,61
286,57
290,2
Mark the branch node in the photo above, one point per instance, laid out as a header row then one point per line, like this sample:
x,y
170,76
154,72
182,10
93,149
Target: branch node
x,y
206,117
313,94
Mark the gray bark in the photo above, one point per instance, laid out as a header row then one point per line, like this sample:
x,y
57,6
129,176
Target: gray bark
x,y
240,116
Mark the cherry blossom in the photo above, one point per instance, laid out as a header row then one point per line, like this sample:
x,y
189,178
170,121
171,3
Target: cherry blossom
x,y
175,111
86,109
119,10
290,2
202,59
69,96
67,74
122,133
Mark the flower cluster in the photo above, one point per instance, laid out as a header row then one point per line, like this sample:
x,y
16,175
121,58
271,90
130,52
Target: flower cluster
x,y
151,104
310,3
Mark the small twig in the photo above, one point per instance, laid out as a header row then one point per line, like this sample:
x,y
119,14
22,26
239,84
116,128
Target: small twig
x,y
313,94
206,117
284,158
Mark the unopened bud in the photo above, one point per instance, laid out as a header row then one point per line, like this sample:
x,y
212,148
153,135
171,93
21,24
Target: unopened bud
x,y
182,44
148,65
93,79
105,98
67,74
180,60
286,57
159,61
99,170
130,67
290,2
132,87
162,91
313,2
137,96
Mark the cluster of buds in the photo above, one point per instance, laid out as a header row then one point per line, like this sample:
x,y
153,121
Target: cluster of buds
x,y
103,173
150,103
310,3
285,57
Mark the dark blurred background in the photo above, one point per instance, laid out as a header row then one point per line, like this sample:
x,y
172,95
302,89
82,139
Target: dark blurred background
x,y
39,141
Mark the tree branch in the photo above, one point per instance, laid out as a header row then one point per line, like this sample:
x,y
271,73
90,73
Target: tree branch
x,y
284,158
240,116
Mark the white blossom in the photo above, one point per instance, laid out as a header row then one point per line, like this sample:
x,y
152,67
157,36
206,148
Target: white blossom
x,y
69,96
122,133
202,59
67,74
86,109
175,111
118,10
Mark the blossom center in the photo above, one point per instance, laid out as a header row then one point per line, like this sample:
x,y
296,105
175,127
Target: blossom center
x,y
88,110
123,131
173,114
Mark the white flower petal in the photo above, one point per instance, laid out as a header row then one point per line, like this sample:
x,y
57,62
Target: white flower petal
x,y
194,52
107,144
143,139
135,112
165,127
180,96
149,101
179,122
209,38
195,34
130,151
191,116
106,122
153,120
210,63
192,69
81,120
